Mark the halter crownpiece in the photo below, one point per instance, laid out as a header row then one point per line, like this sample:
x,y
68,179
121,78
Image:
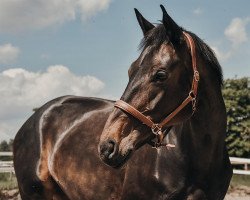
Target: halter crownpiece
x,y
157,128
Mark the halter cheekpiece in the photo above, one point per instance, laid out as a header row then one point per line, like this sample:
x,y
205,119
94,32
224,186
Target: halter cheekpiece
x,y
157,128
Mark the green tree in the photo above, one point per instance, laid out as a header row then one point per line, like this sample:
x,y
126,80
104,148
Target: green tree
x,y
4,146
236,95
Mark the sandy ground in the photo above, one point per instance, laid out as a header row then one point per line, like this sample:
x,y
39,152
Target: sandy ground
x,y
234,193
238,193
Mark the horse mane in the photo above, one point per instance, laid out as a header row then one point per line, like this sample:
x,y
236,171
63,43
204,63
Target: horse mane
x,y
158,35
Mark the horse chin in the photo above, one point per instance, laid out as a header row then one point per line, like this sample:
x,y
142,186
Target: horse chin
x,y
127,147
125,150
120,160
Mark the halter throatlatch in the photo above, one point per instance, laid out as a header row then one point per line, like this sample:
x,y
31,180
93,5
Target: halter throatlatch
x,y
157,128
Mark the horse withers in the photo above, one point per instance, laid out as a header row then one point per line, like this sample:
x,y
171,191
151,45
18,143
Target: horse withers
x,y
172,102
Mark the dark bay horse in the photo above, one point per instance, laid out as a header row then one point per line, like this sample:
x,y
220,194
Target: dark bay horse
x,y
60,151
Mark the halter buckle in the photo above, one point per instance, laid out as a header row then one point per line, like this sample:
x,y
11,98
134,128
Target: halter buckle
x,y
196,76
156,129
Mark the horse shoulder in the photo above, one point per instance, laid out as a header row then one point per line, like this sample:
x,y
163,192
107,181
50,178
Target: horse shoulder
x,y
58,120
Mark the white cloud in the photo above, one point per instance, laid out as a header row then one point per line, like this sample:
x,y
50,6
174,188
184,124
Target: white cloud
x,y
88,8
8,53
23,90
222,56
22,15
236,31
197,11
237,35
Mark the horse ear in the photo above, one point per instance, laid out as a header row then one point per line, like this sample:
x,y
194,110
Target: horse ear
x,y
174,32
145,24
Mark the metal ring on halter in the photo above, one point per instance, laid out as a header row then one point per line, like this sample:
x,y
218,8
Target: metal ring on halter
x,y
191,94
156,129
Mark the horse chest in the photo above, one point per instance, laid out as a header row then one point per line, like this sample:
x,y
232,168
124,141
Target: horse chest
x,y
169,171
151,176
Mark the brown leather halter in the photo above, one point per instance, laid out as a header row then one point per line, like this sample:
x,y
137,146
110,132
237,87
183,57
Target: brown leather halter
x,y
157,127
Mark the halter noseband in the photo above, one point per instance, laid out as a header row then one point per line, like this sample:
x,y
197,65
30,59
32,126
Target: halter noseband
x,y
157,127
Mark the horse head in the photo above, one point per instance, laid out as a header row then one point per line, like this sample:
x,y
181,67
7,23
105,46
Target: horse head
x,y
160,80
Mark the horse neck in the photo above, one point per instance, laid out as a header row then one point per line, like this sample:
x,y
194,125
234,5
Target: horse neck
x,y
210,114
204,133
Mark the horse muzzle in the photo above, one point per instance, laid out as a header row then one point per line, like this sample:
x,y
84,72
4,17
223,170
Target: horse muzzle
x,y
111,155
117,142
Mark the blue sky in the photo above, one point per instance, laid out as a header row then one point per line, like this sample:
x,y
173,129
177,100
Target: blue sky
x,y
85,47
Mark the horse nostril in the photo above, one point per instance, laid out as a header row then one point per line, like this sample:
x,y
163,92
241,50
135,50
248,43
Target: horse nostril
x,y
112,145
108,149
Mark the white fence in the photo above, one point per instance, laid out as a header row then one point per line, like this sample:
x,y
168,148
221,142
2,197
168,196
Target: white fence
x,y
241,161
7,166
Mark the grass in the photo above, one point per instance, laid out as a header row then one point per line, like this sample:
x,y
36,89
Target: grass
x,y
7,181
238,180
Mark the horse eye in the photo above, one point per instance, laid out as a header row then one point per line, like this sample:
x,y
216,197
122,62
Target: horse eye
x,y
160,75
